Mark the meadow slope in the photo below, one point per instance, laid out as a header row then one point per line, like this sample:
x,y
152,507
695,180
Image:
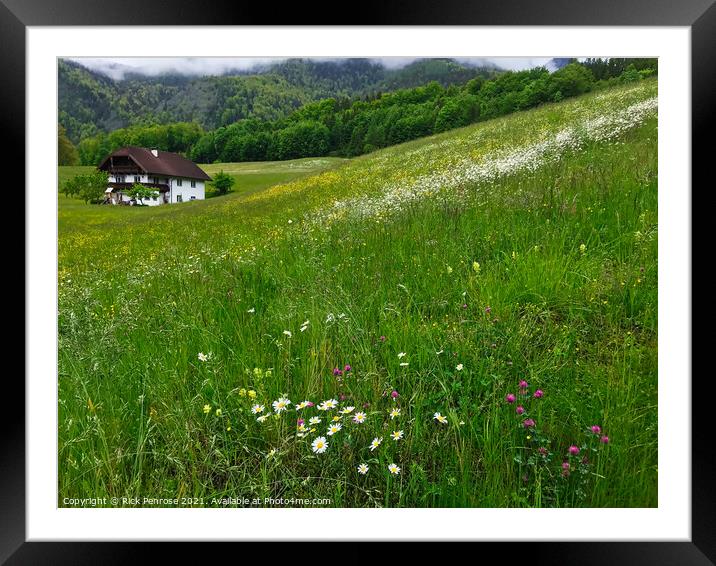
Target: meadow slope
x,y
503,276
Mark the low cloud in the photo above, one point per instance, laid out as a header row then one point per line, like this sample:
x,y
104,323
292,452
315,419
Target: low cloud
x,y
118,67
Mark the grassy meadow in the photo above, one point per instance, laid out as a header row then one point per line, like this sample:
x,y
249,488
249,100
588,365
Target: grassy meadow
x,y
455,313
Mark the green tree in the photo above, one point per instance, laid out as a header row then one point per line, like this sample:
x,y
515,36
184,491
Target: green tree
x,y
89,187
456,112
66,151
304,139
630,75
571,80
473,86
223,182
140,192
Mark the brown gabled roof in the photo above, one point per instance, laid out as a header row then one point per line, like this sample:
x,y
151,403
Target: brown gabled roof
x,y
169,164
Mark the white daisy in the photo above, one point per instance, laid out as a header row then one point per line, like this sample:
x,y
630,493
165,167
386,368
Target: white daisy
x,y
329,404
314,420
363,469
281,404
256,409
401,355
459,367
396,434
202,357
251,310
375,443
441,419
359,417
288,333
302,405
347,410
334,428
404,364
394,413
393,469
319,445
262,418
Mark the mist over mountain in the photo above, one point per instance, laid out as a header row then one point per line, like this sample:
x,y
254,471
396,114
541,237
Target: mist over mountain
x,y
91,101
120,68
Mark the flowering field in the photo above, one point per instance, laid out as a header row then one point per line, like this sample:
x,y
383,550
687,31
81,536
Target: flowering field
x,y
465,320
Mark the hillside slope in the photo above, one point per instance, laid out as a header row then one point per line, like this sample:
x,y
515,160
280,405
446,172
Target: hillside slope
x,y
497,284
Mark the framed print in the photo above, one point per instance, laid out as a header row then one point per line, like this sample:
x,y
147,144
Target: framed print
x,y
421,277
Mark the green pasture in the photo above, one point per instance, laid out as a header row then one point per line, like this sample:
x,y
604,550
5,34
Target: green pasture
x,y
446,270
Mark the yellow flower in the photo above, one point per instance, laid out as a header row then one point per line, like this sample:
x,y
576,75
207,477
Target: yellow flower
x,y
207,408
252,394
582,248
242,392
218,412
476,267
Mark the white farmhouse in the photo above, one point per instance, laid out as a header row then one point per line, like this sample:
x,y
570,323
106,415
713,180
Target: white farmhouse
x,y
175,178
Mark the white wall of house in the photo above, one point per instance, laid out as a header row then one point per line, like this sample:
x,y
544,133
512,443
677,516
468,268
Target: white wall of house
x,y
154,202
133,178
184,192
180,189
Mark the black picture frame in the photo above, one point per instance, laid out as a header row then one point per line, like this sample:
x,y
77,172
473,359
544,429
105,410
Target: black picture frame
x,y
698,15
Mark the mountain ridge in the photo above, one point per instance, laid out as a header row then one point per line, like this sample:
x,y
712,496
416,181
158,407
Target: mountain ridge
x,y
91,102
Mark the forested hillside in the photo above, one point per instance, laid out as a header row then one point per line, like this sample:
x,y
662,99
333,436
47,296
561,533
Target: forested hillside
x,y
91,103
345,127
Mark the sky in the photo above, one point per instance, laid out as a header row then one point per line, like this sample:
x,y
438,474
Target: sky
x,y
116,67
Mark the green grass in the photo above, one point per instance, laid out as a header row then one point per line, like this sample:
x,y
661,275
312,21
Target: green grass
x,y
565,297
250,178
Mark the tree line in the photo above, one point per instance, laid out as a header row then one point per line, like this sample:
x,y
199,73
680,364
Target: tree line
x,y
347,128
90,102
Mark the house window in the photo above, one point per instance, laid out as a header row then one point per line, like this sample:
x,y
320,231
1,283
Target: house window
x,y
193,184
155,180
137,179
192,198
179,198
178,182
119,178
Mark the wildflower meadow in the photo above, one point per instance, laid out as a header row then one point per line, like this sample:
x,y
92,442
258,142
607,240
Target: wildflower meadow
x,y
464,320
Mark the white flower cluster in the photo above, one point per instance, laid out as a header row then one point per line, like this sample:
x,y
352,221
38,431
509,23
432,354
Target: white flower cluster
x,y
449,175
